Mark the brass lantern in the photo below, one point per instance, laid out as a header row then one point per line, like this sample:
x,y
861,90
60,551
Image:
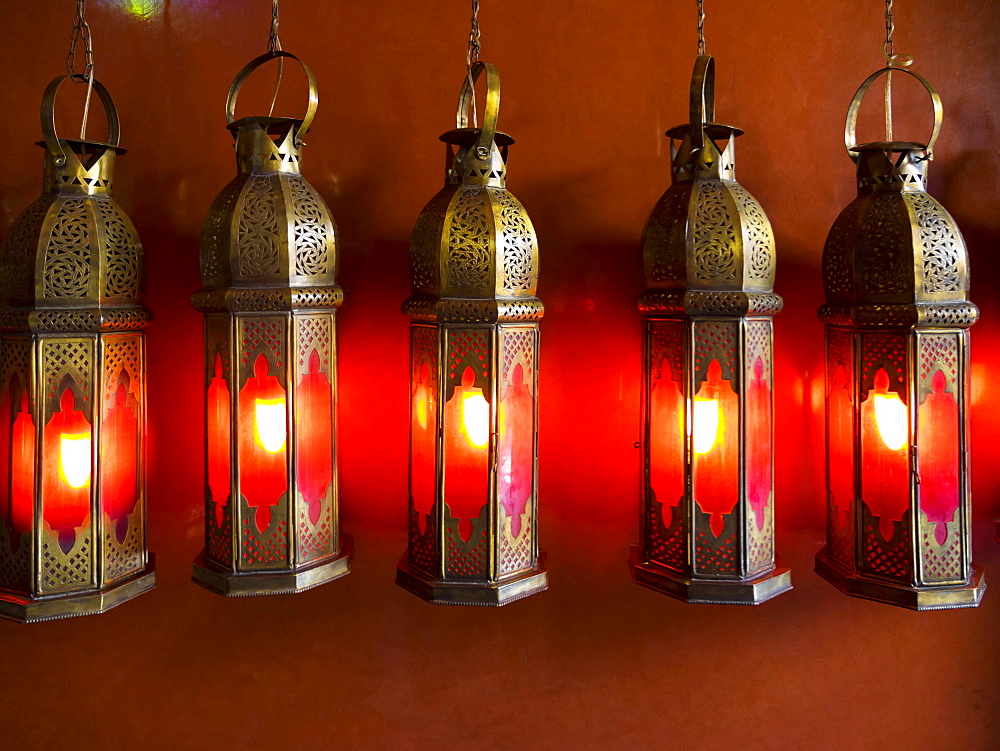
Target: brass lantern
x,y
473,524
268,267
897,315
707,523
72,389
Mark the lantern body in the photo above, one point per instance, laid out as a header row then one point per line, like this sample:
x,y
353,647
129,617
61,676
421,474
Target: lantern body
x,y
897,315
473,532
72,391
268,264
707,521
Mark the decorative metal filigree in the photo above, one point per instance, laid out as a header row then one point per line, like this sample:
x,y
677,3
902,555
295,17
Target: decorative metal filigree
x,y
469,241
67,255
309,220
258,230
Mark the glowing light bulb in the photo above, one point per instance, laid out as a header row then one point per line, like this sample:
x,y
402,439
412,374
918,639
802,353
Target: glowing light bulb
x,y
74,459
706,424
890,419
476,419
269,419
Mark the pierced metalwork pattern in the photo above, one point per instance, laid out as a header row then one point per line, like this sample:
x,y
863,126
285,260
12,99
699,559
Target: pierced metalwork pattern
x,y
518,243
315,332
666,341
66,357
314,540
758,344
15,355
886,351
839,250
715,341
518,346
941,249
258,241
214,231
422,555
466,560
891,559
262,334
268,550
219,542
841,541
664,242
122,353
886,259
67,255
941,563
309,220
62,571
469,240
19,249
716,556
122,559
425,243
666,545
760,545
938,352
471,347
15,565
216,342
515,553
758,239
713,234
121,274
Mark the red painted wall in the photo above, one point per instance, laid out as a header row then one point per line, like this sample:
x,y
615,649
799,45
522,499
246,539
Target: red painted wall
x,y
589,86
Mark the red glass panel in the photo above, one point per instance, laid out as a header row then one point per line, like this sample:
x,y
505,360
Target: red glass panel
x,y
263,439
885,479
841,442
314,436
938,429
467,431
68,460
423,432
17,454
219,479
120,459
758,416
715,439
516,465
666,438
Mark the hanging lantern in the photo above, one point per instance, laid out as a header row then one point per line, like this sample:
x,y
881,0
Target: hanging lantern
x,y
897,315
72,389
268,266
473,529
707,529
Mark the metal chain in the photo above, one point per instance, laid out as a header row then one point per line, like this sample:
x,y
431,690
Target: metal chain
x,y
81,30
701,27
892,61
472,56
274,46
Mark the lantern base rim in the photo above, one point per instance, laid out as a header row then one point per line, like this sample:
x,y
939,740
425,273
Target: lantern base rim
x,y
254,584
710,591
485,594
25,609
967,595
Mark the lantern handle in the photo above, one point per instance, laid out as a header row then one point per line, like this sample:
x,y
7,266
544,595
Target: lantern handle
x,y
488,132
53,143
243,75
702,99
850,128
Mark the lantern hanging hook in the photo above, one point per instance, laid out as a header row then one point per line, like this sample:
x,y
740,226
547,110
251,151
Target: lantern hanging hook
x,y
892,61
81,30
472,57
701,28
274,47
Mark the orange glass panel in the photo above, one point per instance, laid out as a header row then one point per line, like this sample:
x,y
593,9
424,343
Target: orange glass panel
x,y
666,438
715,435
262,442
516,466
885,478
423,433
758,417
68,460
938,428
120,460
467,430
314,436
219,479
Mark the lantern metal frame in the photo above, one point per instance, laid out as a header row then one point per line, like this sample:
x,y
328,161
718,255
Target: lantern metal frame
x,y
71,333
709,263
268,261
895,271
474,269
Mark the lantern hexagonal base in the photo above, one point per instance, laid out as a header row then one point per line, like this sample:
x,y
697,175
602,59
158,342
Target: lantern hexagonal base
x,y
28,610
487,595
228,584
915,598
709,591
